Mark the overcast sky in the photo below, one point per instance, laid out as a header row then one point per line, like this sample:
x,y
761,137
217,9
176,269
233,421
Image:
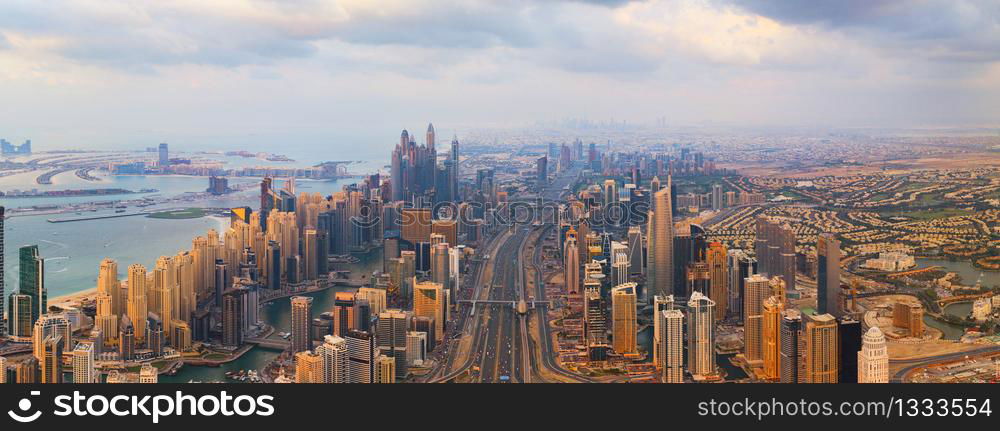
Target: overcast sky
x,y
87,73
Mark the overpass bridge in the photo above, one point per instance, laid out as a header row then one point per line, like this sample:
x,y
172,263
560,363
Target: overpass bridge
x,y
269,343
519,306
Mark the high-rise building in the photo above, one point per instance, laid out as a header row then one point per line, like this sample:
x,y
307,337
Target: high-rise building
x,y
137,298
873,359
828,291
375,297
660,256
716,197
820,357
391,338
51,360
717,259
741,265
301,317
849,343
32,280
334,355
83,364
126,338
670,349
660,303
361,354
775,249
771,337
571,264
701,335
790,360
50,325
757,291
164,156
344,313
428,301
308,367
623,319
19,318
234,316
635,251
385,369
619,263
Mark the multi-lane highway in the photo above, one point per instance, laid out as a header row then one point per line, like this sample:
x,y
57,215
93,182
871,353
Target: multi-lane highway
x,y
491,342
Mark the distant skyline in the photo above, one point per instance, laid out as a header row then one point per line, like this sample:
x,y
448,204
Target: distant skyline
x,y
103,74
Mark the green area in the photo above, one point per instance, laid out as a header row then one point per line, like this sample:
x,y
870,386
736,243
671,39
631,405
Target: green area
x,y
187,213
929,214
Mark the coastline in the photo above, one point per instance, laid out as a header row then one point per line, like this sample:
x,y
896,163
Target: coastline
x,y
74,299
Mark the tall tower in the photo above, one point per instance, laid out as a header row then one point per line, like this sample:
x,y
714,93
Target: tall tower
x,y
660,256
430,136
828,275
820,356
333,353
83,364
137,311
301,319
873,359
32,280
671,346
771,337
428,301
701,335
571,264
623,319
791,327
716,257
757,290
107,283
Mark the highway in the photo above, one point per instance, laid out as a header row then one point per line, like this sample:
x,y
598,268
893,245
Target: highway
x,y
900,375
499,348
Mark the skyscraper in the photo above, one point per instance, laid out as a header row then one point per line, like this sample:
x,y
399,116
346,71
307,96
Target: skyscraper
x,y
757,291
873,359
717,259
51,360
32,280
361,353
828,292
571,263
83,364
660,256
137,300
301,317
391,338
234,316
820,356
701,335
334,356
771,337
623,319
790,360
670,349
428,301
164,156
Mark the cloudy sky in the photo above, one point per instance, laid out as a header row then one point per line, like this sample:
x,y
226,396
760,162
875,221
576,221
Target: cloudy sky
x,y
90,73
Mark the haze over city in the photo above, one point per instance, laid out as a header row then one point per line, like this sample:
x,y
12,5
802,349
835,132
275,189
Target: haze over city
x,y
91,75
